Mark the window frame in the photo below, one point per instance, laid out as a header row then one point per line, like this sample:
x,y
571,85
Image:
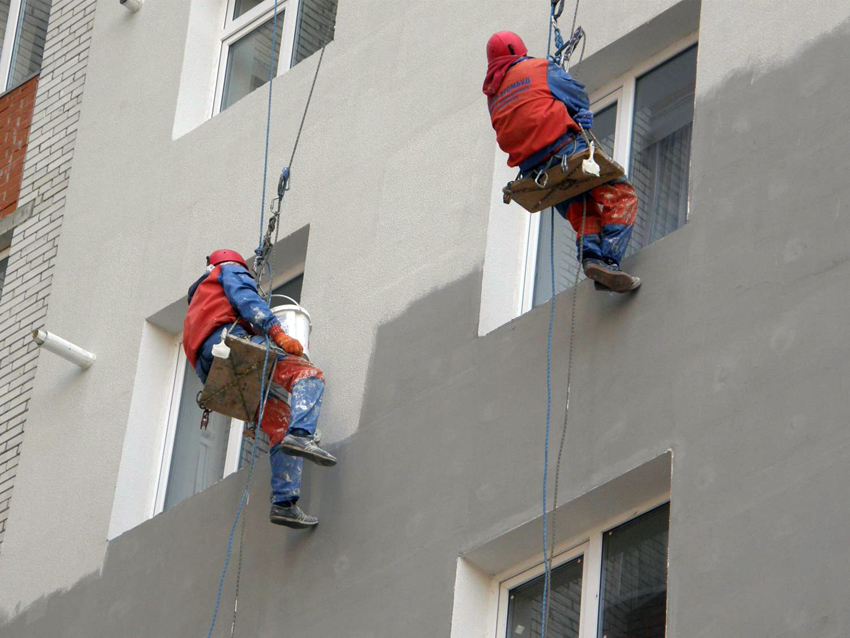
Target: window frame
x,y
620,91
10,42
4,254
589,546
235,29
234,438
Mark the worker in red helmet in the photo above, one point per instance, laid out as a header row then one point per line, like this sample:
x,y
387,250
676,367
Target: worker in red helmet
x,y
538,111
226,298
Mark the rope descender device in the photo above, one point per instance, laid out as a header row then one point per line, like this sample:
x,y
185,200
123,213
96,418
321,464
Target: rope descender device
x,y
564,50
266,247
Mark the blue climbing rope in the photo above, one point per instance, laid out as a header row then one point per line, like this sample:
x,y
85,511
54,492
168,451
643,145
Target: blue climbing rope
x,y
547,564
263,390
561,56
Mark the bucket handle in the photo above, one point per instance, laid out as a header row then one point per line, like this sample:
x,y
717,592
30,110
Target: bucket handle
x,y
298,305
290,299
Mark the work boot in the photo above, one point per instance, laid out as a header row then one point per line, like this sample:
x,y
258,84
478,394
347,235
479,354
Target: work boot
x,y
306,447
610,275
291,516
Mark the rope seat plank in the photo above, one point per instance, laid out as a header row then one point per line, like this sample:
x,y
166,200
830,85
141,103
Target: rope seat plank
x,y
536,193
234,385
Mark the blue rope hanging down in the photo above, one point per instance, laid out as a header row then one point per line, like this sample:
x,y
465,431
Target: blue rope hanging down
x,y
263,392
547,578
562,54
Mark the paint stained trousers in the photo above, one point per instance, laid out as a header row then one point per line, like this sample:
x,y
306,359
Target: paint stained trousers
x,y
611,212
294,404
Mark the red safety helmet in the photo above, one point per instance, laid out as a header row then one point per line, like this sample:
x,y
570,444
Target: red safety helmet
x,y
505,43
220,256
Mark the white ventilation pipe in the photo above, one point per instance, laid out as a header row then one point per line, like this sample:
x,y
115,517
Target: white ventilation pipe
x,y
65,349
133,5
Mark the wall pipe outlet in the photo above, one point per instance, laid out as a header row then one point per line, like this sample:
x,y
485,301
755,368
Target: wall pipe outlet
x,y
65,349
132,5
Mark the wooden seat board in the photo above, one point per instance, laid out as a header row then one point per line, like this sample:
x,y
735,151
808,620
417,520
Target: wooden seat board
x,y
562,186
233,384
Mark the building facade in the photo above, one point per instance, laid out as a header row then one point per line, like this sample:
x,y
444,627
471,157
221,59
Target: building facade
x,y
701,485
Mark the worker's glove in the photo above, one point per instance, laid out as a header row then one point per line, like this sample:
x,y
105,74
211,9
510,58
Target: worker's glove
x,y
285,342
584,118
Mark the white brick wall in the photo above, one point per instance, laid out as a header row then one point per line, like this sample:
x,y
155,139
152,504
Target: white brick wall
x,y
23,304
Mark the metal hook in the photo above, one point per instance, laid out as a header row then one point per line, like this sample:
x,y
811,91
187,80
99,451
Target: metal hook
x,y
283,183
282,187
542,179
556,13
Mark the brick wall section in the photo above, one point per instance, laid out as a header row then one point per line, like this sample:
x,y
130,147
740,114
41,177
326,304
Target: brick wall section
x,y
16,109
23,303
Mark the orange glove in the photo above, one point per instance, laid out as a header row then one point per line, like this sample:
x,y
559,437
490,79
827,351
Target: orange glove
x,y
285,342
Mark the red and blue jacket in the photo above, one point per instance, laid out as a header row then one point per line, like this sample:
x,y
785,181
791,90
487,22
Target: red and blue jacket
x,y
532,111
225,296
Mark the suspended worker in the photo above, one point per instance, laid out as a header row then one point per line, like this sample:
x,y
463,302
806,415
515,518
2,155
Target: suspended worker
x,y
226,298
538,111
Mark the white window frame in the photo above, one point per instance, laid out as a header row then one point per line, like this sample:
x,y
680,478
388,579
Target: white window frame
x,y
622,92
234,30
234,441
589,547
10,42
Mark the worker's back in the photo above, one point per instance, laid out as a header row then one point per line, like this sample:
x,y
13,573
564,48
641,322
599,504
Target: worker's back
x,y
524,112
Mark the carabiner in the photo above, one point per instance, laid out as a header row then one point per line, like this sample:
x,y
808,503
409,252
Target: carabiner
x,y
283,183
542,183
556,13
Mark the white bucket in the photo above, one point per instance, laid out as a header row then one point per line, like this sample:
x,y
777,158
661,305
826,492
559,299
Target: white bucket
x,y
295,321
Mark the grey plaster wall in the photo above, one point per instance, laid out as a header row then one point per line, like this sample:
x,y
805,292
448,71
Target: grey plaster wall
x,y
733,355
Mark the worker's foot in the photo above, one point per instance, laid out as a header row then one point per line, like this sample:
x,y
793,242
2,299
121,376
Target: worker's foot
x,y
291,516
306,447
610,276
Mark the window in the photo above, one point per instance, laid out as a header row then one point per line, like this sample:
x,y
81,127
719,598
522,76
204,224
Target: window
x,y
644,120
23,28
194,459
633,603
624,568
4,263
303,27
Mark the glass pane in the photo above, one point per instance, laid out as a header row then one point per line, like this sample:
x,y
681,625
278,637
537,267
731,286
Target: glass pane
x,y
604,127
5,5
634,578
291,288
566,264
198,457
661,147
3,264
29,44
526,605
244,6
248,62
316,23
